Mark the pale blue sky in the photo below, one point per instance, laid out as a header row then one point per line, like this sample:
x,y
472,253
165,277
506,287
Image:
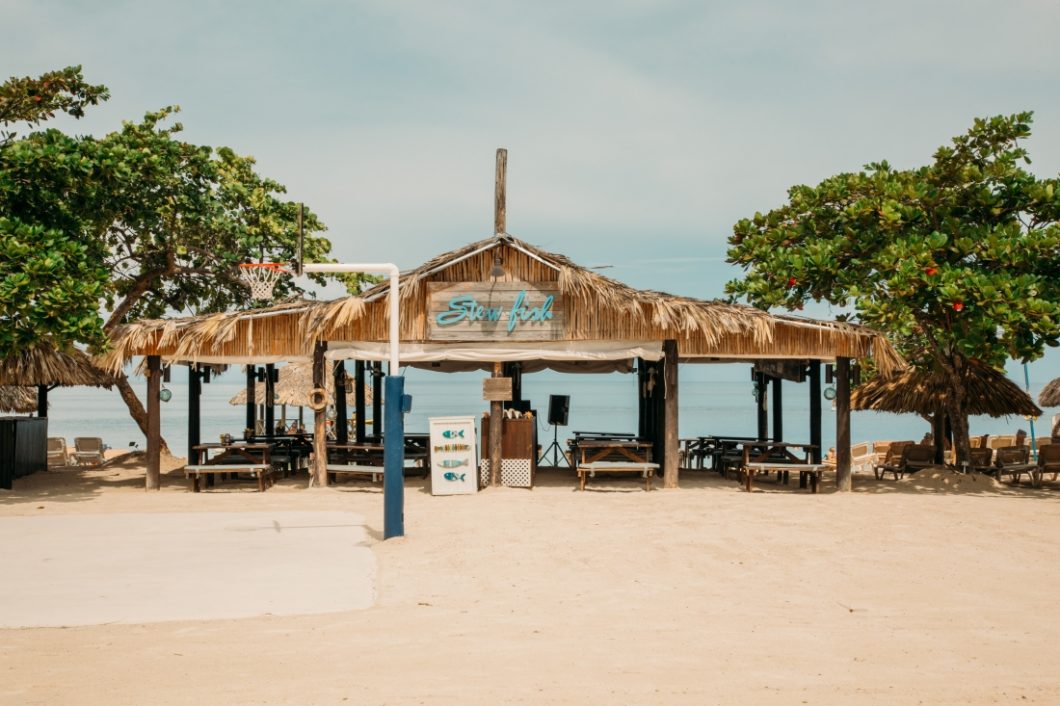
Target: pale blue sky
x,y
638,132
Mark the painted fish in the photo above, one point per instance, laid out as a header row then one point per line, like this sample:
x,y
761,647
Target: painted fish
x,y
453,433
454,476
453,462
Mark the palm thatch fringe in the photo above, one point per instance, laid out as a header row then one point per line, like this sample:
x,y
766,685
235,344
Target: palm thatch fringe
x,y
21,400
44,365
1050,395
295,384
988,391
283,331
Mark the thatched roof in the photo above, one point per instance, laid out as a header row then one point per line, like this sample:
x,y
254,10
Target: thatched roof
x,y
43,365
596,308
989,391
22,400
1050,395
603,308
281,332
296,381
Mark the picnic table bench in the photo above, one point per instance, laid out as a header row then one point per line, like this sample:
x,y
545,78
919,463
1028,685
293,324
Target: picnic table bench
x,y
761,457
353,469
615,455
193,472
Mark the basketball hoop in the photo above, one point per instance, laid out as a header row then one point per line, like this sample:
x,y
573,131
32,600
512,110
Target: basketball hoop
x,y
261,278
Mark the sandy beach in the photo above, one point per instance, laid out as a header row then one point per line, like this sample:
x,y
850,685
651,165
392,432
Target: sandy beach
x,y
910,592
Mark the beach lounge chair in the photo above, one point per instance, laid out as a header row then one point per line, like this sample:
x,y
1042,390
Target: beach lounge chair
x,y
915,457
980,460
57,451
1014,461
1048,462
862,457
890,455
88,450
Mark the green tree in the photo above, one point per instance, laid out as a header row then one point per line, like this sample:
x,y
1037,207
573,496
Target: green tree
x,y
161,224
956,260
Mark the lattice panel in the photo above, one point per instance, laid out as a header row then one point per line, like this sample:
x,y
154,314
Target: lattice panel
x,y
515,472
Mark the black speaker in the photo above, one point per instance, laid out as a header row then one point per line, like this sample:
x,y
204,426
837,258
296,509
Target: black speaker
x,y
558,407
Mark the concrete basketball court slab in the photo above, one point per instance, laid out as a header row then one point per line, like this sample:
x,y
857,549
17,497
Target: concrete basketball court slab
x,y
132,568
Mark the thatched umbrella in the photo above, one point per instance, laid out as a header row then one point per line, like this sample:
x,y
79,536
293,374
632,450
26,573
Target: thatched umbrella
x,y
22,400
1050,395
296,381
44,365
918,391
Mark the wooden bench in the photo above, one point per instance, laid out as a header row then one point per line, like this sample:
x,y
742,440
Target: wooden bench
x,y
355,469
806,471
589,470
261,471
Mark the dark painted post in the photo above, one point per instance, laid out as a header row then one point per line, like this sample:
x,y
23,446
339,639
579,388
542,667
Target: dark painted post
x,y
42,400
154,423
815,410
252,379
842,423
642,400
194,400
671,444
270,400
938,435
358,400
762,405
342,421
778,412
377,401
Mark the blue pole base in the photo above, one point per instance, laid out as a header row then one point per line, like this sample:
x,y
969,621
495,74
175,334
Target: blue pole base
x,y
393,457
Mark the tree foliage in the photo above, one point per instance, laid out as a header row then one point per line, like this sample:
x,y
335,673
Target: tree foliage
x,y
32,100
955,260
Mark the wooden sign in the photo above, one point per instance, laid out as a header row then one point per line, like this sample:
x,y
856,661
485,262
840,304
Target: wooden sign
x,y
500,311
497,389
793,370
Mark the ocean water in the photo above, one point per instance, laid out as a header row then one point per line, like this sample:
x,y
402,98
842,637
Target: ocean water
x,y
714,399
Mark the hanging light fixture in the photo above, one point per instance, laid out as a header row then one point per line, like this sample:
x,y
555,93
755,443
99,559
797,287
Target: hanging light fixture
x,y
498,267
165,394
829,393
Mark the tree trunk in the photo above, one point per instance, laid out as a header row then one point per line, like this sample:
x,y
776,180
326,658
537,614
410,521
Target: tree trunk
x,y
136,408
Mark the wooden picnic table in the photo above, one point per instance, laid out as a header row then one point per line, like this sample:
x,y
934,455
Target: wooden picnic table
x,y
623,455
777,456
235,458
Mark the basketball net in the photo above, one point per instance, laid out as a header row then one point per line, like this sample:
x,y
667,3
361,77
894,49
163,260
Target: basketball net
x,y
261,278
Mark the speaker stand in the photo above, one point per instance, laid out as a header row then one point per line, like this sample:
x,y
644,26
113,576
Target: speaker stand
x,y
556,450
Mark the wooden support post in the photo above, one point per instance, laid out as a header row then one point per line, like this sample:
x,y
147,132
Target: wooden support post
x,y
642,399
270,401
252,379
938,435
194,408
815,410
342,420
778,411
496,432
320,430
358,401
762,404
671,445
154,423
514,371
842,423
500,205
42,400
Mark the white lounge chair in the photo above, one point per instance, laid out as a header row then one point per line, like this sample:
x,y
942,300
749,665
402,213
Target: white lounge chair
x,y
88,450
57,451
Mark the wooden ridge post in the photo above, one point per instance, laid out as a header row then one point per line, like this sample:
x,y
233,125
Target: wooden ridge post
x,y
500,196
496,431
671,445
320,430
842,423
154,423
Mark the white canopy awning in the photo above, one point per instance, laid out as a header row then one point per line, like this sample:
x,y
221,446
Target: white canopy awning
x,y
565,356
